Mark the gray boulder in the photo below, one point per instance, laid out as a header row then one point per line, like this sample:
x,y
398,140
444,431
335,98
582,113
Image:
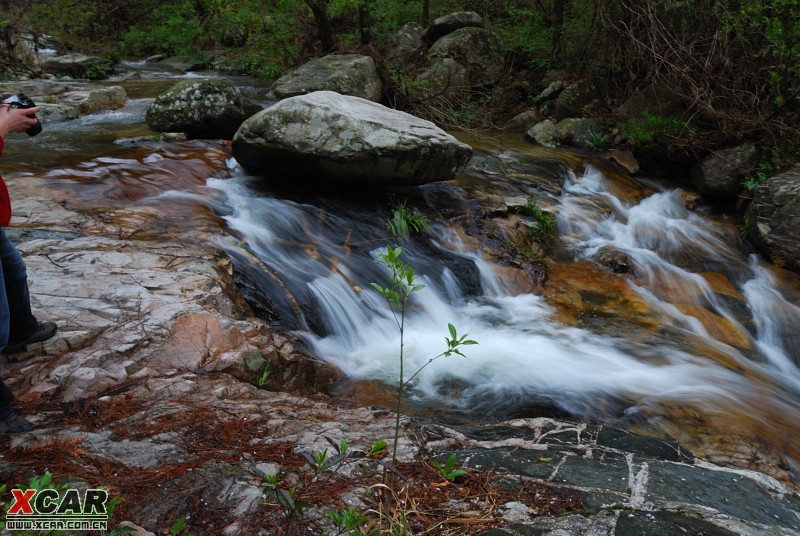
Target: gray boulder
x,y
77,66
544,133
720,174
580,132
450,23
403,45
652,99
574,98
211,108
478,50
444,83
347,140
180,64
348,74
523,122
773,219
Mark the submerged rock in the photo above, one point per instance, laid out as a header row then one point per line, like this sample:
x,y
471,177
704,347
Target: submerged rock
x,y
338,139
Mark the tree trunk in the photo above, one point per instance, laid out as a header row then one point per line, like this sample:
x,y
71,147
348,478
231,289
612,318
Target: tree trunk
x,y
320,10
557,17
364,25
426,12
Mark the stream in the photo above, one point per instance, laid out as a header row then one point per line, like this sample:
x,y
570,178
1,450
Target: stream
x,y
698,341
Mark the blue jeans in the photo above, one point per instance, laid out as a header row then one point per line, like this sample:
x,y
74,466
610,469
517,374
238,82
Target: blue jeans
x,y
17,322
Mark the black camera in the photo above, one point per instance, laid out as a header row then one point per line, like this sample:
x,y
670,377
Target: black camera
x,y
21,101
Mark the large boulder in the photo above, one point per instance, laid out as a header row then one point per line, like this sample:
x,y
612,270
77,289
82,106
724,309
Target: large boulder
x,y
342,139
403,45
572,101
579,132
477,49
348,74
443,83
211,108
450,23
720,174
77,66
773,219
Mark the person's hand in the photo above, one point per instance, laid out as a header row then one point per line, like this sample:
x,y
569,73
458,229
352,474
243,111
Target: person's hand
x,y
13,120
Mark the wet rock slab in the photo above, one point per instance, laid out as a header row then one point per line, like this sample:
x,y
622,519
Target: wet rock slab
x,y
629,484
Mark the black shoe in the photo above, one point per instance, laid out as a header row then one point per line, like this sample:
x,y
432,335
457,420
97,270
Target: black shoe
x,y
44,331
14,424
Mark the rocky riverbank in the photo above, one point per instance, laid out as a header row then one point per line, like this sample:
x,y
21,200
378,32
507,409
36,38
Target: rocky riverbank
x,y
150,391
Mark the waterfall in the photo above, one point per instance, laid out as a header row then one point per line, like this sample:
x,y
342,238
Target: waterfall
x,y
523,353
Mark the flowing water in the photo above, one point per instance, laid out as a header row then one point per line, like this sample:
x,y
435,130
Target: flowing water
x,y
698,340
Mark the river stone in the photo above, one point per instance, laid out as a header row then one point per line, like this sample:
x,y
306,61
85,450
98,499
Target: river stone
x,y
67,99
773,219
720,174
579,132
450,23
477,49
76,65
343,139
348,74
179,63
523,122
211,108
544,133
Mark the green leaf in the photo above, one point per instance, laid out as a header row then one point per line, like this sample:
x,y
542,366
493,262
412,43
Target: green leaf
x,y
452,329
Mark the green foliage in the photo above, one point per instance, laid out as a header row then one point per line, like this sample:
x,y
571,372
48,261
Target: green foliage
x,y
347,520
545,223
96,71
175,28
179,528
404,221
264,376
448,471
769,32
38,483
397,294
44,482
649,127
286,497
599,141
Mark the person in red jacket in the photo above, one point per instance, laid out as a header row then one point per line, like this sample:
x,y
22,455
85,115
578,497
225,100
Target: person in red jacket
x,y
18,326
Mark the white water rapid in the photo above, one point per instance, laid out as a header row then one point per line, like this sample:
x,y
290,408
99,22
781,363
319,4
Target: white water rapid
x,y
726,345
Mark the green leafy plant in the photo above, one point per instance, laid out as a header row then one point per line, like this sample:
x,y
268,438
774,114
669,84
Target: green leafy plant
x,y
45,482
405,221
646,128
286,497
347,521
401,286
179,528
545,224
264,376
598,141
448,470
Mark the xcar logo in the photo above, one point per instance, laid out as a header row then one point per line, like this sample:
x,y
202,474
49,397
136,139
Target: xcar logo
x,y
51,509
